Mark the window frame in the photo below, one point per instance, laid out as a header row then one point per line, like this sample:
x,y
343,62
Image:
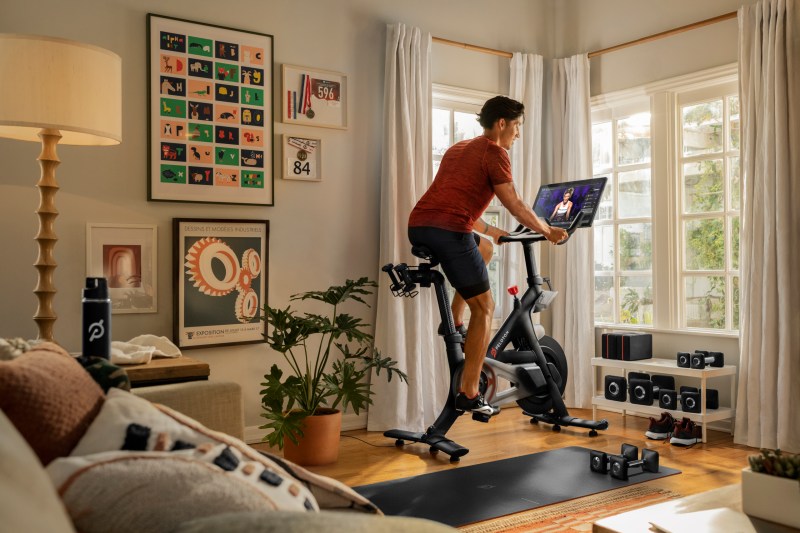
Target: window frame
x,y
665,99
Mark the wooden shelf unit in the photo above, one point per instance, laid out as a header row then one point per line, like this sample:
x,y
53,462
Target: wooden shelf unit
x,y
667,367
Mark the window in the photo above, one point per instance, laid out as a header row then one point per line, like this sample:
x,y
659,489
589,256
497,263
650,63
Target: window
x,y
454,119
666,241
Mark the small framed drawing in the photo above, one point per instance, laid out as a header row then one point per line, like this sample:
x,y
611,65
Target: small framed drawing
x,y
210,118
302,158
124,254
314,97
220,281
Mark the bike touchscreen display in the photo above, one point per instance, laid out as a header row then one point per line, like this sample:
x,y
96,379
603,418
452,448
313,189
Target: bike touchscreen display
x,y
561,202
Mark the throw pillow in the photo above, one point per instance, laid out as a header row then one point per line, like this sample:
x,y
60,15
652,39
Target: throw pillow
x,y
50,399
112,430
157,491
28,501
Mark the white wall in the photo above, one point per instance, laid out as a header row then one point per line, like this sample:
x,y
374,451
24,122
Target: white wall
x,y
321,233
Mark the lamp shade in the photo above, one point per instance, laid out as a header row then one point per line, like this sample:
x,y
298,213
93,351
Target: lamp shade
x,y
51,83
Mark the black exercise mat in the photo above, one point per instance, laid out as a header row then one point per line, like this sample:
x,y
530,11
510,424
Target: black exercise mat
x,y
463,495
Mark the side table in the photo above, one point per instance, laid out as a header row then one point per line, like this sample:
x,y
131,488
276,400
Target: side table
x,y
171,370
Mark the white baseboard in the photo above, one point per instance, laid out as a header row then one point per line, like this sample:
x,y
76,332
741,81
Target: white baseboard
x,y
350,421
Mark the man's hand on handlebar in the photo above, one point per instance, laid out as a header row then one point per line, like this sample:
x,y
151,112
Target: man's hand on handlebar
x,y
556,235
495,233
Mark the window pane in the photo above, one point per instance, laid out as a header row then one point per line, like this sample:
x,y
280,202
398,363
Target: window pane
x,y
735,324
702,128
604,298
605,211
734,183
601,147
705,302
466,126
635,247
604,248
703,186
494,283
634,194
436,164
733,113
440,127
633,139
735,243
636,300
704,244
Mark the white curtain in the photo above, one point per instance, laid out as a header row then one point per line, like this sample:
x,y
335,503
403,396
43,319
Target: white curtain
x,y
405,327
769,338
571,266
527,73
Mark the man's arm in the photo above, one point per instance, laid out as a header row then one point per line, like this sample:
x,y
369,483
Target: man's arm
x,y
483,227
508,196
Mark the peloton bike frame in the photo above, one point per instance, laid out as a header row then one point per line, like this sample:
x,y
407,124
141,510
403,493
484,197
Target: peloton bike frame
x,y
536,368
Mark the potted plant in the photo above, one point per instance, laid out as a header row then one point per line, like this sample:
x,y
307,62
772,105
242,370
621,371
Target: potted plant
x,y
319,381
770,487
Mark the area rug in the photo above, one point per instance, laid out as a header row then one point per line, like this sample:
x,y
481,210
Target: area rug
x,y
575,515
472,494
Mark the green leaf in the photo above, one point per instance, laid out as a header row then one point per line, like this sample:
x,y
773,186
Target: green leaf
x,y
283,425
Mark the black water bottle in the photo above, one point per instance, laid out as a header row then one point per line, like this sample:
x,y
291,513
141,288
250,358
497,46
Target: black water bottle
x,y
96,318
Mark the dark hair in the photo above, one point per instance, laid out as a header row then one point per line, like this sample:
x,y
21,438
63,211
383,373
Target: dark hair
x,y
499,107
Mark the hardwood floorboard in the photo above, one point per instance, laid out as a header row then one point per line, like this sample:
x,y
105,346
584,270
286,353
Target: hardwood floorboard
x,y
369,457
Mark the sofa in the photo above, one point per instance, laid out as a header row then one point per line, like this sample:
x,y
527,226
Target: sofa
x,y
76,457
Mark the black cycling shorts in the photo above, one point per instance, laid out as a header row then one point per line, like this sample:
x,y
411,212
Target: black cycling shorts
x,y
459,256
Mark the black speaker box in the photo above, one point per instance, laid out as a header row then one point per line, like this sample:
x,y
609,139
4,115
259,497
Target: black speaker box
x,y
616,388
609,348
635,346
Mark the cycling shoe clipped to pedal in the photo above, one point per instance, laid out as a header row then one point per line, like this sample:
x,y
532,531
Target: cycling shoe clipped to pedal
x,y
481,410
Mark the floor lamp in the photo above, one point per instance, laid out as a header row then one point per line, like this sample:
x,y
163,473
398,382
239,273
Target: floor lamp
x,y
54,90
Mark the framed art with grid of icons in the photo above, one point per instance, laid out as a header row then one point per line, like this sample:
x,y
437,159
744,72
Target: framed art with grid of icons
x,y
210,113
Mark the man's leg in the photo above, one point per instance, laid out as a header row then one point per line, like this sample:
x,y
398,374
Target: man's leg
x,y
485,247
478,335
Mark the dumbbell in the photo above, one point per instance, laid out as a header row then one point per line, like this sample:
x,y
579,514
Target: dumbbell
x,y
688,399
620,465
700,359
600,462
643,391
616,388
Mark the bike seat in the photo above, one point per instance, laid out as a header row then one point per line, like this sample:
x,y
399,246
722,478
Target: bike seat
x,y
423,252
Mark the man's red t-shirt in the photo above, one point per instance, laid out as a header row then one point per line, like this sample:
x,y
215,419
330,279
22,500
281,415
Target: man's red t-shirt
x,y
464,186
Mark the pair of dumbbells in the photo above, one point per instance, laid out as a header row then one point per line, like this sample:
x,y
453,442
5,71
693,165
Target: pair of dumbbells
x,y
641,387
619,465
644,389
701,359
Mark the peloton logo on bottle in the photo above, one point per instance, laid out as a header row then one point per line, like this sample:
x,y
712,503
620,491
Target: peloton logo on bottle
x,y
96,330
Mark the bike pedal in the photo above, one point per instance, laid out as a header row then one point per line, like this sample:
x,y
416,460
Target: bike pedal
x,y
480,417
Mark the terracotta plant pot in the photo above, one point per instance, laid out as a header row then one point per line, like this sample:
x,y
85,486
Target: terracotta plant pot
x,y
319,444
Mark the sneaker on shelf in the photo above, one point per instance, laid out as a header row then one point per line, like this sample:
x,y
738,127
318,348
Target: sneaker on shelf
x,y
686,433
475,405
660,429
461,328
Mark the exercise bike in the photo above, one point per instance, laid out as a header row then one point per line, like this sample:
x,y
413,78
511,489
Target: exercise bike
x,y
535,366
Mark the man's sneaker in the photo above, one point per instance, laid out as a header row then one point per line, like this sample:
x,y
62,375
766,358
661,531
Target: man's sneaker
x,y
660,429
461,328
686,433
475,405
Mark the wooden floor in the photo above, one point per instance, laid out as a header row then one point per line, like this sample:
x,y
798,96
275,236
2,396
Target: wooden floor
x,y
705,466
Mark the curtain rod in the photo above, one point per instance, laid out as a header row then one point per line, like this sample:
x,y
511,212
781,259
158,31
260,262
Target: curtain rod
x,y
596,53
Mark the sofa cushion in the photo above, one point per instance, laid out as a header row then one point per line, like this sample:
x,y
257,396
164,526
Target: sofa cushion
x,y
112,428
50,399
156,491
28,501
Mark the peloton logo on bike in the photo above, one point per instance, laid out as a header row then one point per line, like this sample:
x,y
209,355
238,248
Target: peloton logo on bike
x,y
499,345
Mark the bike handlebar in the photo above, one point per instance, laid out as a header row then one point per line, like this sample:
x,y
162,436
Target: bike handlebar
x,y
523,234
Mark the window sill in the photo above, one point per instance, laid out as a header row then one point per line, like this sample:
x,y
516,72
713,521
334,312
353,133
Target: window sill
x,y
648,329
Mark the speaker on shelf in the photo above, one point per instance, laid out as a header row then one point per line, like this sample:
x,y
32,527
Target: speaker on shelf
x,y
609,345
616,388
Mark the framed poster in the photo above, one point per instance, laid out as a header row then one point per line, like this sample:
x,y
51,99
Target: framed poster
x,y
220,281
124,254
210,113
314,97
302,158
